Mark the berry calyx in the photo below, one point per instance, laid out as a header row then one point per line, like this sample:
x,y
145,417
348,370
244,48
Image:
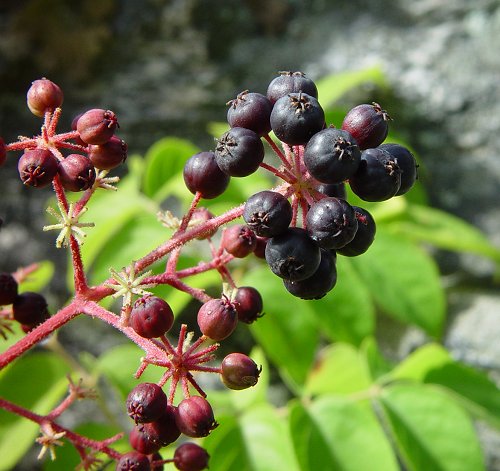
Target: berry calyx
x,y
146,403
37,167
249,305
97,126
239,371
190,457
202,174
8,289
217,318
195,417
406,163
151,317
76,172
44,95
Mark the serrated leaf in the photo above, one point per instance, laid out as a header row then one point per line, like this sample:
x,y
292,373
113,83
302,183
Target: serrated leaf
x,y
336,434
430,430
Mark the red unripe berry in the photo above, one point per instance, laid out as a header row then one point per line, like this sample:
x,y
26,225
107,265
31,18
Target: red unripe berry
x,y
191,457
8,289
141,441
218,318
3,152
43,96
30,308
108,155
151,317
37,167
156,457
239,240
146,402
76,172
239,371
201,216
97,126
260,247
195,417
248,302
133,461
164,430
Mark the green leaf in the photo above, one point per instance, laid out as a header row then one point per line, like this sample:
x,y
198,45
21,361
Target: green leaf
x,y
377,364
336,434
217,128
40,278
36,382
288,332
404,281
347,313
430,430
164,160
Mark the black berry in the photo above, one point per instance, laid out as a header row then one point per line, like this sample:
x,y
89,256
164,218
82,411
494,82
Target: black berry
x,y
336,190
249,305
37,167
146,402
195,417
8,289
217,318
406,163
267,213
239,371
151,317
191,457
201,173
290,82
250,111
76,172
364,235
30,308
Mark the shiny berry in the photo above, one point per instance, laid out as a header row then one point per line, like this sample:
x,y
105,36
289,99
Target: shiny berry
x,y
195,417
133,461
37,167
239,152
293,255
336,190
249,305
296,117
267,213
290,82
364,235
151,317
3,152
146,402
217,318
406,163
30,308
239,371
8,289
191,457
250,111
202,174
238,240
163,431
43,96
108,155
141,441
97,126
76,172
368,124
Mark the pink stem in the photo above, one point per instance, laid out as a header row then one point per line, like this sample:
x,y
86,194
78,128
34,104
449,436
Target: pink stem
x,y
277,151
288,178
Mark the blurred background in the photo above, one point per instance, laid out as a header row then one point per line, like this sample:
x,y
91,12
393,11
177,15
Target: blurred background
x,y
169,67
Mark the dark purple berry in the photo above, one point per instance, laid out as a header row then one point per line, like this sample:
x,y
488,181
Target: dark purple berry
x,y
250,111
239,152
319,283
337,190
142,442
3,152
378,177
238,240
146,403
331,222
239,371
218,318
249,305
290,82
367,124
76,172
406,163
296,117
8,289
43,96
191,457
163,431
332,155
195,417
267,213
37,167
30,308
293,255
133,461
108,155
364,235
97,126
156,457
151,317
201,173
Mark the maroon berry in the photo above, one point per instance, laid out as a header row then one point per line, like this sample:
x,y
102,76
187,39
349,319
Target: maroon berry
x,y
367,124
195,417
248,302
3,152
156,457
76,172
239,371
30,308
260,247
141,441
239,240
202,174
146,402
8,289
163,431
97,126
133,461
250,111
151,317
43,96
218,318
37,167
191,457
108,155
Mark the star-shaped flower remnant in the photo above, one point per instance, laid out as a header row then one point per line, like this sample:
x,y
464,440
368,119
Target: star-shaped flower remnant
x,y
101,181
68,225
128,284
49,440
